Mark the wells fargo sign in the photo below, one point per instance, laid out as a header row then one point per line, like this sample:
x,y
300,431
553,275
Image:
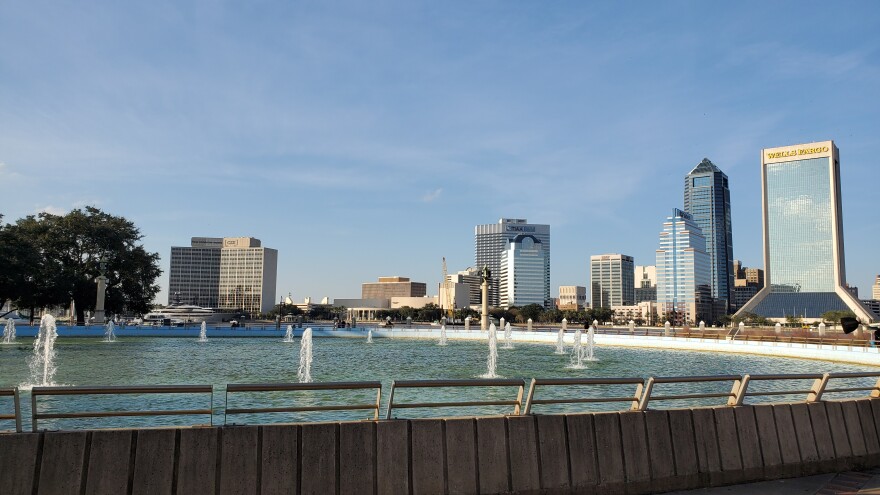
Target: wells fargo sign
x,y
798,152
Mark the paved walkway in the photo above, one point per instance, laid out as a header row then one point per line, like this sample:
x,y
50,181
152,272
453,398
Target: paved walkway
x,y
850,482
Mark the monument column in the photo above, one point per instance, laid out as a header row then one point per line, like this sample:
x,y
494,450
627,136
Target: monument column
x,y
102,290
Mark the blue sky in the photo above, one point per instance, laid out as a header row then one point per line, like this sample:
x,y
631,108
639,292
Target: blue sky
x,y
365,139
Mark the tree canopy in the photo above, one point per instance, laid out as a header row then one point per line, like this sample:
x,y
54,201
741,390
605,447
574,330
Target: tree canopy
x,y
51,260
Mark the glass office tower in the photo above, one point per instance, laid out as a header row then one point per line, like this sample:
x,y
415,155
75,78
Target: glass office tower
x,y
804,272
491,240
612,280
683,292
707,200
524,274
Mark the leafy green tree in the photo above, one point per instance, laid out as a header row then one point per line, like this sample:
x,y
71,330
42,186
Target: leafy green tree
x,y
833,317
64,260
533,311
794,320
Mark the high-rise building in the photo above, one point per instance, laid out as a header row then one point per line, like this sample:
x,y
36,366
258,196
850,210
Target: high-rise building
x,y
194,274
231,273
875,289
804,270
572,297
683,292
248,275
612,280
645,283
491,240
755,276
524,276
707,200
472,278
388,287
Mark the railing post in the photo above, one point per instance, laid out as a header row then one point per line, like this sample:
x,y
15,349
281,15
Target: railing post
x,y
33,411
738,391
378,402
16,400
390,401
519,397
528,408
637,396
646,396
818,387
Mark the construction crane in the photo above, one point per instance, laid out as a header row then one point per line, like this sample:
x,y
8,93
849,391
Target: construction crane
x,y
447,292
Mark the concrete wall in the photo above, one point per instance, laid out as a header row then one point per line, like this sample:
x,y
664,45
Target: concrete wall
x,y
631,452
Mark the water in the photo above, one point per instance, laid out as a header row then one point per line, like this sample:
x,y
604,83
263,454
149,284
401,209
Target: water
x,y
110,332
288,334
591,344
9,332
167,361
492,358
370,336
42,360
304,373
508,337
203,333
577,352
442,340
560,342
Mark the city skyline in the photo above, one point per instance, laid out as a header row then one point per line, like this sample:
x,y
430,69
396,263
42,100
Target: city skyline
x,y
363,142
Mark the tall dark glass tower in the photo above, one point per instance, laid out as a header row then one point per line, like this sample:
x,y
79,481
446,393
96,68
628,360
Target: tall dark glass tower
x,y
707,200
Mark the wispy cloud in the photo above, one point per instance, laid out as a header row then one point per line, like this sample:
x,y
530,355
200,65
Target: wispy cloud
x,y
432,195
52,210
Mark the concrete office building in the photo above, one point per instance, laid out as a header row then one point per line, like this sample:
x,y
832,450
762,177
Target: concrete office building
x,y
875,289
248,275
645,283
804,269
524,276
707,200
388,287
472,278
683,292
194,273
572,297
612,280
491,240
873,305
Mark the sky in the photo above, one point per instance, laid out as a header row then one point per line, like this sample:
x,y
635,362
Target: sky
x,y
367,139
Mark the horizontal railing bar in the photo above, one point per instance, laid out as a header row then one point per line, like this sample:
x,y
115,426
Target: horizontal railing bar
x,y
691,379
272,387
588,381
583,400
858,374
110,414
7,416
850,389
136,389
7,392
806,376
778,392
690,396
415,405
350,407
488,382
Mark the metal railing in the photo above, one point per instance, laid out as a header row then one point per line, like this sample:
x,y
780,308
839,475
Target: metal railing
x,y
487,382
652,381
549,382
116,390
16,407
288,387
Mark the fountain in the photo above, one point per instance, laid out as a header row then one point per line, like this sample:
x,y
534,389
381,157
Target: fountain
x,y
591,344
577,352
492,360
304,373
110,332
288,334
203,333
442,334
508,337
9,331
560,342
369,335
42,362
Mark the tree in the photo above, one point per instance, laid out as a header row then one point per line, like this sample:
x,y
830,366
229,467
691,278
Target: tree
x,y
833,317
794,320
533,311
63,260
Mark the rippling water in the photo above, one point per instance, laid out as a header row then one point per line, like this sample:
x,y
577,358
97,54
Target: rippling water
x,y
165,361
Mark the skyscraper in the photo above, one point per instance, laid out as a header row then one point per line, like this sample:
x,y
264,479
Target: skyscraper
x,y
804,270
707,200
491,240
875,289
683,292
645,283
524,276
194,274
612,280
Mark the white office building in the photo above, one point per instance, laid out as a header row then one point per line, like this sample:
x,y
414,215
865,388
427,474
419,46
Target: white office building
x,y
525,273
491,241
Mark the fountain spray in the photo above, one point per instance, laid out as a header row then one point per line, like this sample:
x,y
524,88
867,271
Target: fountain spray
x,y
442,334
203,332
304,373
42,362
288,334
560,342
9,331
492,360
